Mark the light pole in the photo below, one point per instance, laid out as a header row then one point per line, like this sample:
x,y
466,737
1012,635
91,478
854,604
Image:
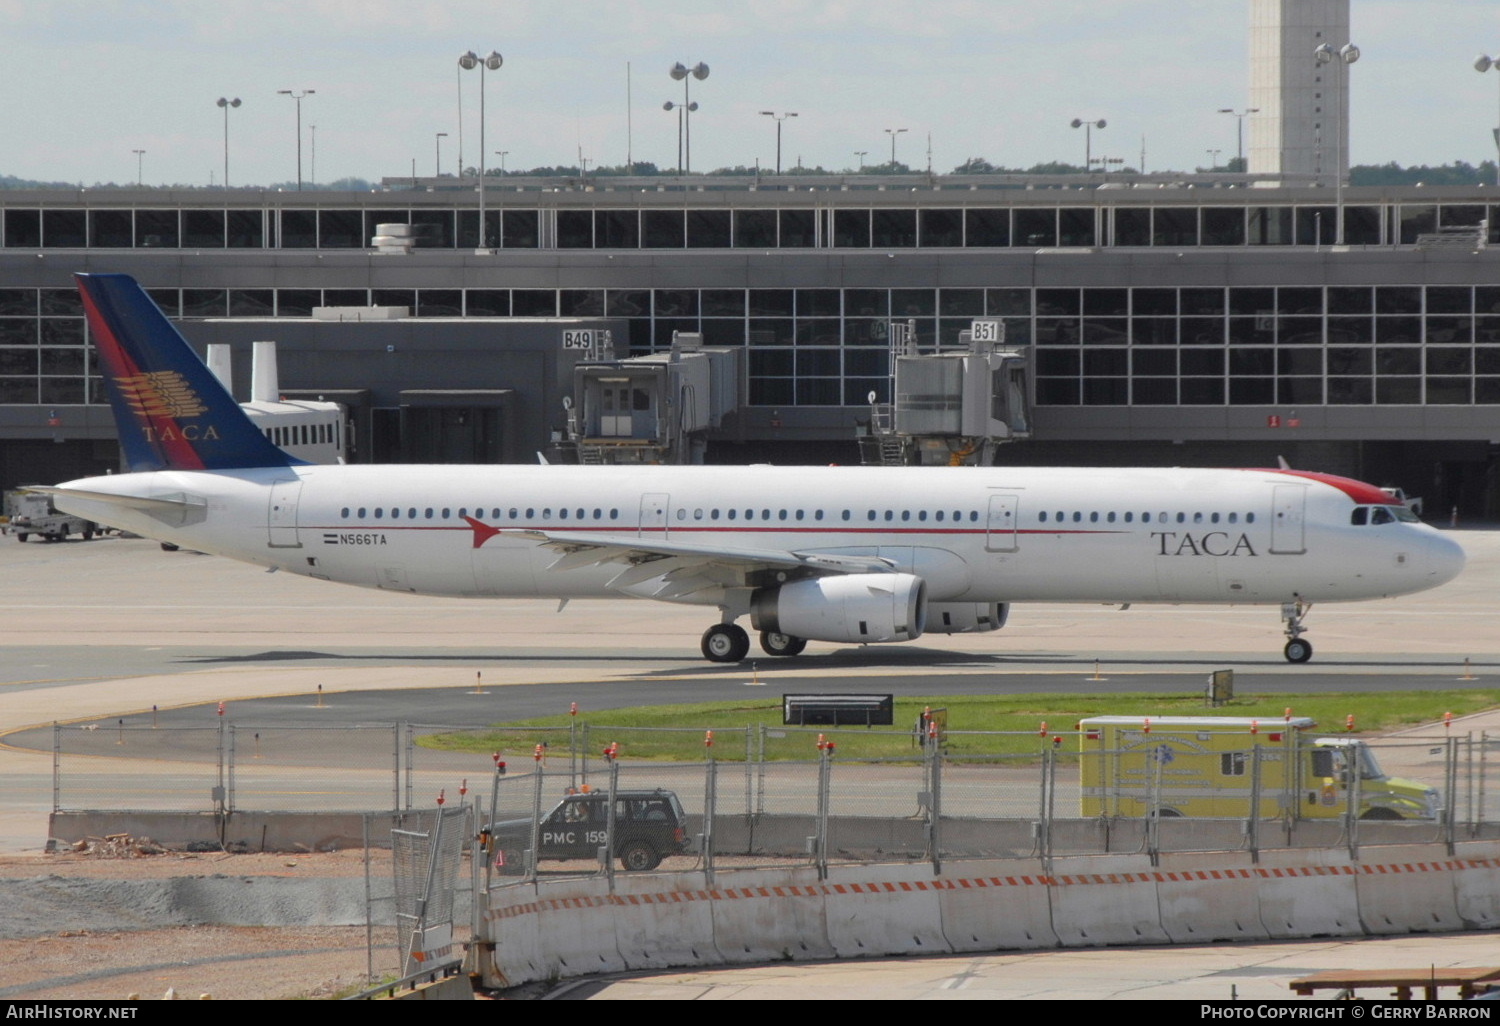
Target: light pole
x,y
1344,56
297,95
681,73
1088,138
1484,63
226,104
1239,116
861,154
893,132
139,154
779,118
437,166
312,154
501,154
1213,159
468,62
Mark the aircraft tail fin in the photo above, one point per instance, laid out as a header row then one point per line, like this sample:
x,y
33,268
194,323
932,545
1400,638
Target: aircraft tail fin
x,y
170,411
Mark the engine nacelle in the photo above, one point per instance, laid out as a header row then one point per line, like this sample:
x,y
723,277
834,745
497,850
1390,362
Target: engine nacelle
x,y
966,617
856,607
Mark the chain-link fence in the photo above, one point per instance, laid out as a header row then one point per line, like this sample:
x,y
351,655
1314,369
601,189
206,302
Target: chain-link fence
x,y
787,795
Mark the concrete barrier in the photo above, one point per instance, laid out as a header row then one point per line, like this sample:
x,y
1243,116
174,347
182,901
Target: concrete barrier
x,y
568,928
1199,905
991,905
574,929
1105,899
1406,889
767,915
1476,886
1308,894
663,920
891,910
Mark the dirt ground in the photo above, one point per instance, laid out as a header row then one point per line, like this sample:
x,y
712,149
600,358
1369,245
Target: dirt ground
x,y
54,961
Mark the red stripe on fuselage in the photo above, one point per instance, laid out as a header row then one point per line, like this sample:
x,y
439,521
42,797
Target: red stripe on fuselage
x,y
1360,492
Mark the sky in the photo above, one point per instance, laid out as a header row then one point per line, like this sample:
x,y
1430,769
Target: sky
x,y
92,81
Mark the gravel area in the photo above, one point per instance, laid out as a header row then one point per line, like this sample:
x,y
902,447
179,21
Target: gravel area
x,y
88,927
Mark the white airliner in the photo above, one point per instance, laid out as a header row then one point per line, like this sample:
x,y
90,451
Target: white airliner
x,y
829,554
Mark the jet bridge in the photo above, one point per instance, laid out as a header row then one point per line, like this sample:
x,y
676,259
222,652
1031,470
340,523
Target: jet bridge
x,y
952,408
651,409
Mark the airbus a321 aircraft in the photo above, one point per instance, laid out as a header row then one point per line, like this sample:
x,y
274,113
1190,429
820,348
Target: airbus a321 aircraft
x,y
827,554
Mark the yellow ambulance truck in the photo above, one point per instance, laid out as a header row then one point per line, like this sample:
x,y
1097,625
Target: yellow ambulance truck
x,y
1219,767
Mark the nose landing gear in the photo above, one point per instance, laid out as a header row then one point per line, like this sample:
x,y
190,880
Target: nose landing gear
x,y
1297,649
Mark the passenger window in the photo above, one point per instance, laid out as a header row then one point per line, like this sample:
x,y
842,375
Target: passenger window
x,y
1077,517
799,514
547,513
698,514
1234,518
889,516
781,514
713,514
940,516
344,513
1111,517
1094,517
1129,517
846,514
379,512
1182,518
922,515
396,514
562,513
906,514
1249,518
732,514
682,514
1197,518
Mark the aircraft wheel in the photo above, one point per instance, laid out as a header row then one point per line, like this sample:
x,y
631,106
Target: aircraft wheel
x,y
725,643
22,536
781,644
1298,651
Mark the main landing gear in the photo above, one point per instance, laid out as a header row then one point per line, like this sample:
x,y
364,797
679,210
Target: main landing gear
x,y
725,643
728,643
781,644
1297,649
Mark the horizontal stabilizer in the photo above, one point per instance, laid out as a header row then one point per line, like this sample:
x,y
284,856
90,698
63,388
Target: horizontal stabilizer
x,y
152,504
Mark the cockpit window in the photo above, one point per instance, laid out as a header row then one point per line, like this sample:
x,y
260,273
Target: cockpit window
x,y
1360,516
1381,515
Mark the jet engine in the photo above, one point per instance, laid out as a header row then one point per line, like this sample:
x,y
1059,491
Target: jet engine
x,y
966,617
856,607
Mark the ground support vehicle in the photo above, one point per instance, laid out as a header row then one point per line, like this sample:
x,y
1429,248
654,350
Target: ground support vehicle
x,y
648,827
31,514
1227,767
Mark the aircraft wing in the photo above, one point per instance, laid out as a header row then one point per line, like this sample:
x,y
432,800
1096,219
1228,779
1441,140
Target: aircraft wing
x,y
686,565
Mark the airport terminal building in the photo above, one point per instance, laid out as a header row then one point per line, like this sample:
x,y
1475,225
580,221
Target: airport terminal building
x,y
1187,321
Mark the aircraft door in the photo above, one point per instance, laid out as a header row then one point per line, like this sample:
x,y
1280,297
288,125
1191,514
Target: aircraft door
x,y
281,514
653,515
1000,528
1289,507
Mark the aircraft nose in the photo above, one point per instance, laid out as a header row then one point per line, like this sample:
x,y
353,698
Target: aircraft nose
x,y
1445,558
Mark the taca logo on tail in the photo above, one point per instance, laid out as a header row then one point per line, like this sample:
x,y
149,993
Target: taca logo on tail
x,y
172,412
